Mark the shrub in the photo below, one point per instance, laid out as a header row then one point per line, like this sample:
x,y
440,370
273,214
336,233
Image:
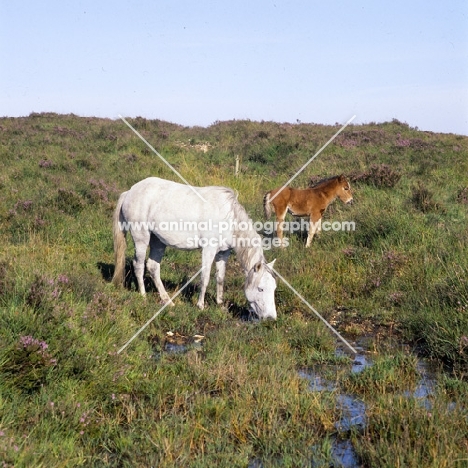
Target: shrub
x,y
28,363
383,269
422,199
378,175
100,191
462,196
44,292
69,201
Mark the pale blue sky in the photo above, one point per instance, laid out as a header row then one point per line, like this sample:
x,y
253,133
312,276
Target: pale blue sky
x,y
193,63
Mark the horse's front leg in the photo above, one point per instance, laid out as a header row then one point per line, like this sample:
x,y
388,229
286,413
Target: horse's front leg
x,y
315,225
208,255
221,259
153,264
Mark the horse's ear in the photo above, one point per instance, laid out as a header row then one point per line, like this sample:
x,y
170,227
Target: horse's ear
x,y
270,265
341,177
257,266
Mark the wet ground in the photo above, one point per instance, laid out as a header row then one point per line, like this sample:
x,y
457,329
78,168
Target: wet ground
x,y
352,408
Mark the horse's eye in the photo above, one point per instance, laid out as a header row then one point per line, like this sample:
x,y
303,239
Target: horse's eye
x,y
346,188
260,289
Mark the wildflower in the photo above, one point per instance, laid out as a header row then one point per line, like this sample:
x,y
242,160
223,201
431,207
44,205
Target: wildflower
x,y
26,204
45,163
349,251
63,279
463,343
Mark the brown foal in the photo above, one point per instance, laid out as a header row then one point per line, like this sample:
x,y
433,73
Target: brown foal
x,y
310,202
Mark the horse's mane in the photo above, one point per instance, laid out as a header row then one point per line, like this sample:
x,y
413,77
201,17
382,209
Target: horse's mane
x,y
325,181
246,253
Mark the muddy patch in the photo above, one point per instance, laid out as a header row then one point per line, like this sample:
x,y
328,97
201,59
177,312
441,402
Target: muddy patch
x,y
175,343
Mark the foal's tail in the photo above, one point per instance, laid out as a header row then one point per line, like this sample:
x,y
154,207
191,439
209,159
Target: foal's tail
x,y
120,243
267,205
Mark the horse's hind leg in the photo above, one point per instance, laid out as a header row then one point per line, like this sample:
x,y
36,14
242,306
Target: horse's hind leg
x,y
153,265
141,240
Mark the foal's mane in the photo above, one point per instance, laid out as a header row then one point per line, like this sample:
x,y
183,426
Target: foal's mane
x,y
325,181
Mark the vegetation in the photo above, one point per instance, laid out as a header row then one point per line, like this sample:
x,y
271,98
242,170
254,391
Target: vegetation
x,y
68,399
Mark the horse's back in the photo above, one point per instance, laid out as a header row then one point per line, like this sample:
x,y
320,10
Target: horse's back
x,y
280,195
155,197
178,215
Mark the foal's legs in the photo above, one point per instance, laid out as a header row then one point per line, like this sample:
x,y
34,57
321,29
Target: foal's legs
x,y
153,265
221,260
280,217
315,225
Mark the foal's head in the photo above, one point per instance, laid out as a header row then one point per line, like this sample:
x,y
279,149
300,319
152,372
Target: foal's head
x,y
343,189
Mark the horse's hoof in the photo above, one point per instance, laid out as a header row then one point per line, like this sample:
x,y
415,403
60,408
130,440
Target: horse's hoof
x,y
167,302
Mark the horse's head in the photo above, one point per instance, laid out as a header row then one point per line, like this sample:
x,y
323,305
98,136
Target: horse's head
x,y
344,190
260,288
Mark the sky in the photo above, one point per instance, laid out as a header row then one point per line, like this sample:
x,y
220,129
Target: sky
x,y
198,62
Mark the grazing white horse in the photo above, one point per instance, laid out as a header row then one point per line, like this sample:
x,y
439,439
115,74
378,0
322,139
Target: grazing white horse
x,y
162,213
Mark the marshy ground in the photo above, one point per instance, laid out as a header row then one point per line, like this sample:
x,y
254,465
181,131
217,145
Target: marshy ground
x,y
248,393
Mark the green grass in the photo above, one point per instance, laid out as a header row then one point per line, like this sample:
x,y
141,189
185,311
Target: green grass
x,y
400,277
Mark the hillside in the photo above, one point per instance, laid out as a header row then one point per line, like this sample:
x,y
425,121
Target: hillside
x,y
399,278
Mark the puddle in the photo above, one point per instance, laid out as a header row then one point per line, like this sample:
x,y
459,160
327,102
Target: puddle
x,y
174,343
426,385
352,409
360,363
343,452
175,348
353,413
317,382
255,463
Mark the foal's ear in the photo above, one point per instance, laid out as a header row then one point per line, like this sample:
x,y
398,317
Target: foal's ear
x,y
270,265
341,177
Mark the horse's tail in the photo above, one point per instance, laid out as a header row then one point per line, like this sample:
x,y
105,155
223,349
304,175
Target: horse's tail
x,y
267,205
120,242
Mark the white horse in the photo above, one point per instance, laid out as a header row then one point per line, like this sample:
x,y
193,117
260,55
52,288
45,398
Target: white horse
x,y
162,213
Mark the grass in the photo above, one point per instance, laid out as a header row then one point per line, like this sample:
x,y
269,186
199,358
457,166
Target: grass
x,y
68,399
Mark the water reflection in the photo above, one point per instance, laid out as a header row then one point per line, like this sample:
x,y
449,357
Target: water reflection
x,y
352,409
